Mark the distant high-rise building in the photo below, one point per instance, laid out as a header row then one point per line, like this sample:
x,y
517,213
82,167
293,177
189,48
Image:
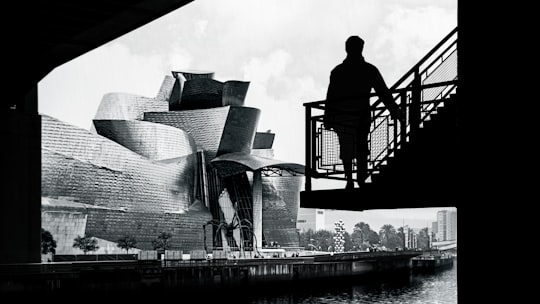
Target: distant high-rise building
x,y
433,233
452,226
446,225
308,218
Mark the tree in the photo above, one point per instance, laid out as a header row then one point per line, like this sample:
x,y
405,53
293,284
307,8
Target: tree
x,y
162,242
48,244
323,239
394,241
386,232
86,243
373,238
423,239
319,240
304,239
348,241
127,242
401,234
360,235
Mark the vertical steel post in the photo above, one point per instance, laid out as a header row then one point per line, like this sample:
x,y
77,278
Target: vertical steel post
x,y
308,149
414,111
403,122
314,154
395,122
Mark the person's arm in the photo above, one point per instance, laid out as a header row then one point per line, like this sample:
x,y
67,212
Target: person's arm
x,y
384,94
328,117
332,90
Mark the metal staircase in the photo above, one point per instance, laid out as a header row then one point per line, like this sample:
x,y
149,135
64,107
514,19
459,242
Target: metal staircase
x,y
407,154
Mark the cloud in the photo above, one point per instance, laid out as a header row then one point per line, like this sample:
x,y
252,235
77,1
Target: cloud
x,y
407,34
178,58
286,49
72,92
200,28
261,70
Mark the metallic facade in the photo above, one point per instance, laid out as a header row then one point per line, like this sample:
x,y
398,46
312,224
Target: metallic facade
x,y
151,140
143,172
281,195
97,171
128,106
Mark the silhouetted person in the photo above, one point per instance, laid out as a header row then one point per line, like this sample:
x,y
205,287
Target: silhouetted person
x,y
348,110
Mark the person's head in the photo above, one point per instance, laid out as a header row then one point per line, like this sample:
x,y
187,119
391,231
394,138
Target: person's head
x,y
354,45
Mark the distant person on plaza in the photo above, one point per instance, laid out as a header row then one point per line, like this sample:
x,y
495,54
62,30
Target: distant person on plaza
x,y
348,110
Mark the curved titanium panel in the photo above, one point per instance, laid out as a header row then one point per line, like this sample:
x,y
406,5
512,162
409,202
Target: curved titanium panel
x,y
97,171
234,92
166,88
180,77
239,130
205,126
128,106
281,199
201,93
193,74
266,153
151,140
263,140
205,92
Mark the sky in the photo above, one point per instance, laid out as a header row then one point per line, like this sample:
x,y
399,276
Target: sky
x,y
284,48
414,218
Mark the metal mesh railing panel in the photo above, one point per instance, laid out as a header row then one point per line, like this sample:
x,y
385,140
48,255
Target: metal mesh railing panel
x,y
386,133
446,71
329,148
378,139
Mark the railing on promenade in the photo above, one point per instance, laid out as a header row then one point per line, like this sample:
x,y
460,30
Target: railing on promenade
x,y
419,93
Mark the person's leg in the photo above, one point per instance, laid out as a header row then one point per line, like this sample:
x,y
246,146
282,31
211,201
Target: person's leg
x,y
346,154
347,166
362,152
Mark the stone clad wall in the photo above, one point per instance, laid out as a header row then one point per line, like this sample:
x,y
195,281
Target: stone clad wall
x,y
186,229
65,226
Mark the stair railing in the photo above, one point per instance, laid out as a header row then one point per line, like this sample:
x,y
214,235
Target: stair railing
x,y
419,92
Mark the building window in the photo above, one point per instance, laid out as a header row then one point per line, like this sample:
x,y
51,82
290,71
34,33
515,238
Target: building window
x,y
301,221
320,212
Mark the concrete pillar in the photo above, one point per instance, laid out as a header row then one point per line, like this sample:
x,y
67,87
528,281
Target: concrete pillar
x,y
257,209
20,208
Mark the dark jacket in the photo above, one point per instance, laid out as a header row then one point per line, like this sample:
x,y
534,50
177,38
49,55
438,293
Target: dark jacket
x,y
347,97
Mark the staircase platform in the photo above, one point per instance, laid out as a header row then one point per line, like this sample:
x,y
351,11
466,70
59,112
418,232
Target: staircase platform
x,y
370,197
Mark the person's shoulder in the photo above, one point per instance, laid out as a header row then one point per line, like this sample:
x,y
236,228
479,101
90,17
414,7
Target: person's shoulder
x,y
338,68
371,67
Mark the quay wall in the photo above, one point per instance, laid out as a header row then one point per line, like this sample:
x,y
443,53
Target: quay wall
x,y
154,275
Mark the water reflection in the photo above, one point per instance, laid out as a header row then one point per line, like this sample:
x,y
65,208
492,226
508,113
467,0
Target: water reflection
x,y
438,287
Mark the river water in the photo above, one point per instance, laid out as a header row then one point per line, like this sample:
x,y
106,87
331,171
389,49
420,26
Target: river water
x,y
438,287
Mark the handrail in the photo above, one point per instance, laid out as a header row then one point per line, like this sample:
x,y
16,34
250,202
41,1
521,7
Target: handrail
x,y
313,104
426,57
417,101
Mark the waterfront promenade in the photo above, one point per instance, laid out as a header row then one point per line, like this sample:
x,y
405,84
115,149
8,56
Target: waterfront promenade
x,y
169,275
